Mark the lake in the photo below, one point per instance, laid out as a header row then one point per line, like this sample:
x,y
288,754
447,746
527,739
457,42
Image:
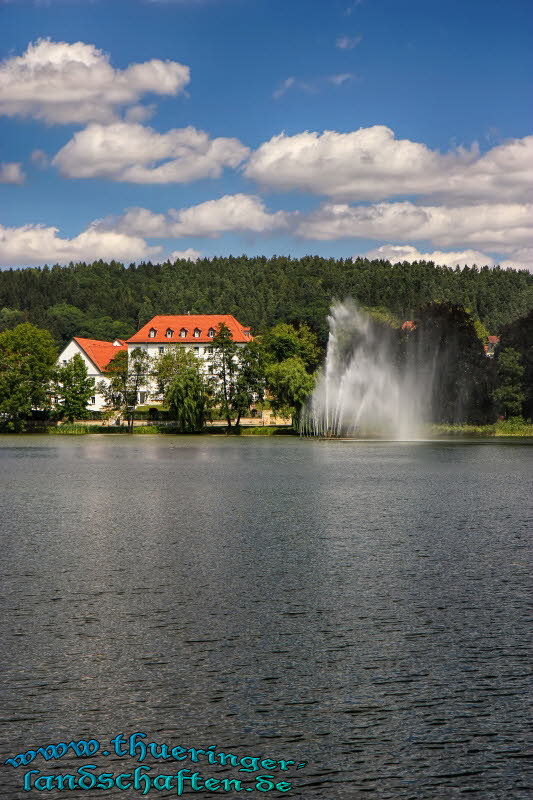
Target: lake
x,y
359,606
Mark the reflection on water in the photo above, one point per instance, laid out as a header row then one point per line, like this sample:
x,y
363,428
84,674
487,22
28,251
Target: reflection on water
x,y
360,606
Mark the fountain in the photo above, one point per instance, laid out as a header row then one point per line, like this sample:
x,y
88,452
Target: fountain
x,y
367,387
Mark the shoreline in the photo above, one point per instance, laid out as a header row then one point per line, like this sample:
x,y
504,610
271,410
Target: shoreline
x,y
433,433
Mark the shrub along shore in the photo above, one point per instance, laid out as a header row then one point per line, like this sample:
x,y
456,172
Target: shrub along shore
x,y
515,427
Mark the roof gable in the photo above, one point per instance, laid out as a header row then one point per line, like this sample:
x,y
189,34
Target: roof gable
x,y
98,351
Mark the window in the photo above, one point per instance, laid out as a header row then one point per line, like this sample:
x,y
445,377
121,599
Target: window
x,y
209,350
197,333
64,361
142,397
93,401
170,333
210,370
151,333
196,349
183,333
211,333
161,349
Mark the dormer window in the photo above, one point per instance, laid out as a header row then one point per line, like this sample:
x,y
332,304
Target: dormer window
x,y
169,333
211,332
151,333
183,333
197,333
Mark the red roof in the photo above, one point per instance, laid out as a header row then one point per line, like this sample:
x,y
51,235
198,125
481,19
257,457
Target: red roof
x,y
202,323
98,351
493,339
408,325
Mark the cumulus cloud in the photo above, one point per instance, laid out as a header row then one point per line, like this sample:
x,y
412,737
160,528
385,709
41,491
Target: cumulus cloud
x,y
38,244
398,252
493,227
521,258
11,172
127,151
231,213
348,42
60,82
189,255
371,164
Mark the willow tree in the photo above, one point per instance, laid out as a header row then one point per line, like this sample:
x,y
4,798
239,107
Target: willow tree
x,y
187,393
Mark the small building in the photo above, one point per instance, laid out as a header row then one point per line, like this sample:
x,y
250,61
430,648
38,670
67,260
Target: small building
x,y
492,343
96,355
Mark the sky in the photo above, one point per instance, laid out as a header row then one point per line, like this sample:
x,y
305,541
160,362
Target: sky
x,y
143,130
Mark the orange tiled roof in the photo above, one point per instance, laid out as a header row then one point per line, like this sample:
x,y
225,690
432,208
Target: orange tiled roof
x,y
190,322
98,351
408,325
493,339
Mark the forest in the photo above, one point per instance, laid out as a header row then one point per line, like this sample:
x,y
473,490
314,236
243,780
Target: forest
x,y
286,303
107,300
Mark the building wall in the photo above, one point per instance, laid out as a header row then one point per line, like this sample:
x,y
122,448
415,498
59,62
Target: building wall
x,y
202,351
69,352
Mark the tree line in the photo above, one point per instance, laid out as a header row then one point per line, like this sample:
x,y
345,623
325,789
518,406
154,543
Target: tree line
x,y
110,300
278,367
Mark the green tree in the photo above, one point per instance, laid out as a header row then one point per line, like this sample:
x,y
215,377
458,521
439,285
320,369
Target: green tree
x,y
250,385
519,336
27,363
225,364
289,385
187,394
10,318
445,336
66,321
73,388
285,341
127,376
509,395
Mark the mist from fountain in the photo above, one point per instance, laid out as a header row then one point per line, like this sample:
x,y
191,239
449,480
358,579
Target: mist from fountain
x,y
367,387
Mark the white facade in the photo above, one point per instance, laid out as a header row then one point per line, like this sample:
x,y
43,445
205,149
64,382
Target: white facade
x,y
96,401
203,352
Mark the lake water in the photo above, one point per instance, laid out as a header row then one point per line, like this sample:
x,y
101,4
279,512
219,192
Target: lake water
x,y
358,606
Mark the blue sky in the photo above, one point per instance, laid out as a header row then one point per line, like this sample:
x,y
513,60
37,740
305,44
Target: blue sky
x,y
136,129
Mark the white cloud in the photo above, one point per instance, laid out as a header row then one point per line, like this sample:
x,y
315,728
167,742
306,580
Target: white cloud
x,y
39,158
189,255
282,88
348,42
312,86
371,164
398,252
37,244
60,82
496,227
11,172
340,78
350,9
127,151
231,213
521,258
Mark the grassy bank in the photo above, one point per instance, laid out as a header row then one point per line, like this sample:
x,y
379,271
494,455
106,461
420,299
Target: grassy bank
x,y
83,429
510,427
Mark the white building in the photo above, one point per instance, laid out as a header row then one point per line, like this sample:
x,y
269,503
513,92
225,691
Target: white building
x,y
96,355
193,332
